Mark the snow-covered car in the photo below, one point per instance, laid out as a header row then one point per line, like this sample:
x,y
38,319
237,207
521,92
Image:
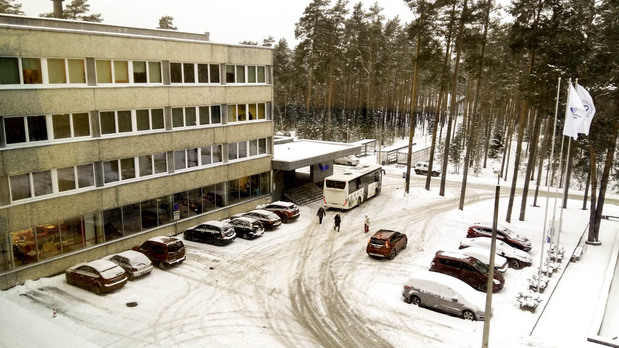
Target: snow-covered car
x,y
133,262
516,258
212,232
269,219
483,255
98,276
502,233
246,227
466,268
286,211
444,293
350,160
421,168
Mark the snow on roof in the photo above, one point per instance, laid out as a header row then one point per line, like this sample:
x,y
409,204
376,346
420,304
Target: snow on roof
x,y
302,153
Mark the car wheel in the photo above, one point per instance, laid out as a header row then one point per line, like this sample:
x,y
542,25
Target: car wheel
x,y
417,171
405,244
187,236
392,254
284,219
162,265
483,287
468,315
415,300
514,264
435,173
97,289
130,276
245,235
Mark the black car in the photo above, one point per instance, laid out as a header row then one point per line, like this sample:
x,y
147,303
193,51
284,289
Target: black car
x,y
246,227
213,232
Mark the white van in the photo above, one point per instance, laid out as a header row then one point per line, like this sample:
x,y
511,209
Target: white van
x,y
444,293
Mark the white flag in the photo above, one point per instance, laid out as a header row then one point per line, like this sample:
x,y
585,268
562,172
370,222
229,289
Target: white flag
x,y
587,103
574,114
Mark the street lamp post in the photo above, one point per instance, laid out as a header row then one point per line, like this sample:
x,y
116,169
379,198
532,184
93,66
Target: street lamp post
x,y
490,283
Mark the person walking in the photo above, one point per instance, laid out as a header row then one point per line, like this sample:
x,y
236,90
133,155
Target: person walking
x,y
366,224
321,213
337,219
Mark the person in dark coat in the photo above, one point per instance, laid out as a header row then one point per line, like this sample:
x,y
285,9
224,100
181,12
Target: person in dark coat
x,y
337,221
321,212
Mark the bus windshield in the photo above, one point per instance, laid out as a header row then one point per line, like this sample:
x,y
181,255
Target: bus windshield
x,y
340,185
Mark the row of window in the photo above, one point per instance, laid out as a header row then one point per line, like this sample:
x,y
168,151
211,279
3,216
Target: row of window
x,y
25,129
46,182
56,238
61,71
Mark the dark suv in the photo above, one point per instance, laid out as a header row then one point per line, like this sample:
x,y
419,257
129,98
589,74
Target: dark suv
x,y
247,227
466,268
285,210
386,243
213,232
163,251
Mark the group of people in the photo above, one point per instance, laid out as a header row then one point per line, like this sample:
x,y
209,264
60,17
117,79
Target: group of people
x,y
337,219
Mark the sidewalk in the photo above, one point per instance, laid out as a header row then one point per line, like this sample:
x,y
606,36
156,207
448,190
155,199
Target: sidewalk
x,y
568,317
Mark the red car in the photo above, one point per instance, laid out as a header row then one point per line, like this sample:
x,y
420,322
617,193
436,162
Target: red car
x,y
466,268
503,233
98,276
386,243
286,211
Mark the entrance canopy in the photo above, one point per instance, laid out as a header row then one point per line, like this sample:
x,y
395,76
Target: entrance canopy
x,y
302,153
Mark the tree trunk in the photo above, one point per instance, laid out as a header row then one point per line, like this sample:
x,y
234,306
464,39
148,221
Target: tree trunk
x,y
454,93
530,163
610,152
512,192
591,235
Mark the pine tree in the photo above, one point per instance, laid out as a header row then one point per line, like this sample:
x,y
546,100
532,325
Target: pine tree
x,y
7,6
166,22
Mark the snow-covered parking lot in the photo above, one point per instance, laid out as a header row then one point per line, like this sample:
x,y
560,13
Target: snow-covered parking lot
x,y
306,285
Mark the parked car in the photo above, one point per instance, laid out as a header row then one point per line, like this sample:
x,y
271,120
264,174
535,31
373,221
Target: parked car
x,y
516,258
286,211
421,168
350,160
163,251
466,268
444,293
269,219
98,276
246,227
483,255
386,243
503,233
133,262
212,232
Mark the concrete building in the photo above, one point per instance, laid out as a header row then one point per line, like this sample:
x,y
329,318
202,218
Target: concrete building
x,y
111,135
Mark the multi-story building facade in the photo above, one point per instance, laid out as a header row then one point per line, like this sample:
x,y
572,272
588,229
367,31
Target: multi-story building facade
x,y
111,135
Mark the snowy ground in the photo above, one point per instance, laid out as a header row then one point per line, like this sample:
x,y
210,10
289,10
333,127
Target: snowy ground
x,y
305,285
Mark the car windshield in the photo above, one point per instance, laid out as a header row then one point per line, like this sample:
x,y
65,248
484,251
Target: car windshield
x,y
480,266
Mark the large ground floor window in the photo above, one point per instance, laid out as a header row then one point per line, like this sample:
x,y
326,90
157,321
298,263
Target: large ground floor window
x,y
53,239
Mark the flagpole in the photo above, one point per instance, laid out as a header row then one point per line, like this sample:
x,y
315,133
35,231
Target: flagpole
x,y
552,151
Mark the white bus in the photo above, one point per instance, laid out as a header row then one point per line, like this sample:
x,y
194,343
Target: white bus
x,y
347,190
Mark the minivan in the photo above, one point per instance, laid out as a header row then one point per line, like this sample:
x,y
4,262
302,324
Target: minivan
x,y
466,268
163,251
444,293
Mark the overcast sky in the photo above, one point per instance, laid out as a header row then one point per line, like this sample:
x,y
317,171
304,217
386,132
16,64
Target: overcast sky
x,y
228,21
